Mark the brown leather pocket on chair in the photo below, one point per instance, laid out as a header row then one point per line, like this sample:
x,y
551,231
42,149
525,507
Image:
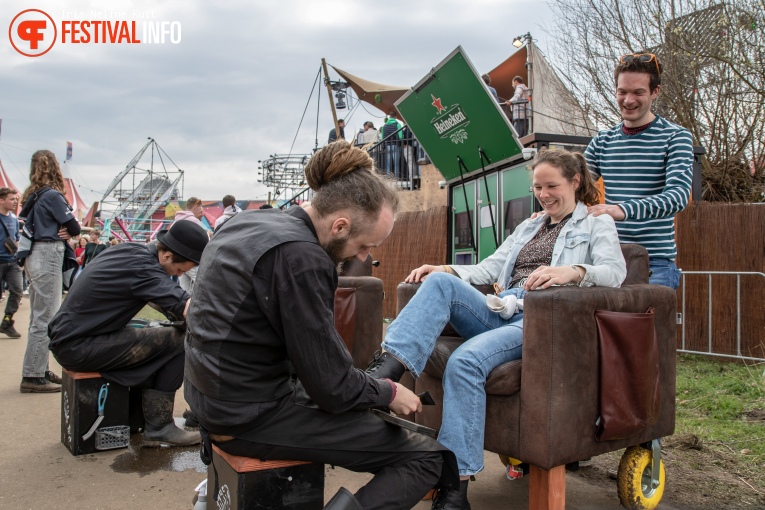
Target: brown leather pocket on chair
x,y
629,373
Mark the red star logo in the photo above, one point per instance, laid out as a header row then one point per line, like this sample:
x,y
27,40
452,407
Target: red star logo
x,y
437,104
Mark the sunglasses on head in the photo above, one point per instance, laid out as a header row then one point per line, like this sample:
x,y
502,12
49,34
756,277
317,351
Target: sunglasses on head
x,y
642,57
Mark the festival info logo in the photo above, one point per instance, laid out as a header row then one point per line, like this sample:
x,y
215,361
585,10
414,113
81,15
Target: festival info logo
x,y
449,122
32,33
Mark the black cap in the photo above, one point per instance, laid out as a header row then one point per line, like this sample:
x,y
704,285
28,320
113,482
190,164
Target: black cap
x,y
185,238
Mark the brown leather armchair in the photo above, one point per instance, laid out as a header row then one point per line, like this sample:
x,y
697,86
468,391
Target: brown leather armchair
x,y
543,409
358,316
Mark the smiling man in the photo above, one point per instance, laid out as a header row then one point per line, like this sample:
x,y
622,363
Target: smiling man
x,y
90,332
647,167
267,374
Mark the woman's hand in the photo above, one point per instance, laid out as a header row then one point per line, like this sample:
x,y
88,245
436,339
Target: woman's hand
x,y
544,276
64,234
419,274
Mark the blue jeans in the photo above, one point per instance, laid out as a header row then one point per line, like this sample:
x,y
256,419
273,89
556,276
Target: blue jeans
x,y
490,342
664,272
393,160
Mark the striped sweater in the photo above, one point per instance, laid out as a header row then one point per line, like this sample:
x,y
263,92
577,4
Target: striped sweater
x,y
649,177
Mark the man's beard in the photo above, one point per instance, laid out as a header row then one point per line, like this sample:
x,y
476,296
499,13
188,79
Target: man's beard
x,y
334,249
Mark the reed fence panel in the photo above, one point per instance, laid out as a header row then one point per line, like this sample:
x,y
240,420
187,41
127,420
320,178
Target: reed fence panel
x,y
417,238
722,237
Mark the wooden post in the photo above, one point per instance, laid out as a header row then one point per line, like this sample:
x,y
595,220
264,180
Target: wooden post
x,y
547,489
331,101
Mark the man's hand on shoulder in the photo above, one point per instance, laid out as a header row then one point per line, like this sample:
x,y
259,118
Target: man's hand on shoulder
x,y
612,210
406,402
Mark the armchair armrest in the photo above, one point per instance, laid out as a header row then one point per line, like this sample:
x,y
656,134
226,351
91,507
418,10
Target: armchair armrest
x,y
560,380
406,291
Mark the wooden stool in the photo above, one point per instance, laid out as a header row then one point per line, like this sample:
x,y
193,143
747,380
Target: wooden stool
x,y
245,483
79,411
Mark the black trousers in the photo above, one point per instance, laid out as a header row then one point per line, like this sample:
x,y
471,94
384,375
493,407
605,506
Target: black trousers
x,y
146,358
10,273
406,465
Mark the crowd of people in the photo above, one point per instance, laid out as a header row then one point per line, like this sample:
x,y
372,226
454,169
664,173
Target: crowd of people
x,y
264,371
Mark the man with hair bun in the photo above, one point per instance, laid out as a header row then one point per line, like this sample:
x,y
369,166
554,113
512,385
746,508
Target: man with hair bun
x,y
267,373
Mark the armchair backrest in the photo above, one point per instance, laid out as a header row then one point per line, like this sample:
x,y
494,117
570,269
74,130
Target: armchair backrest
x,y
636,257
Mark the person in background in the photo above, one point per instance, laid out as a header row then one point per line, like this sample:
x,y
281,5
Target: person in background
x,y
647,167
93,248
49,218
193,213
392,133
333,135
230,209
10,272
79,251
520,105
370,135
487,80
90,332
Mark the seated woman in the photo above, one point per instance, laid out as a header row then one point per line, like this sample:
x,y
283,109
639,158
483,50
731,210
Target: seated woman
x,y
562,246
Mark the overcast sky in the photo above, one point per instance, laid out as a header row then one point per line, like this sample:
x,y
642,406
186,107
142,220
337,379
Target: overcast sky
x,y
232,92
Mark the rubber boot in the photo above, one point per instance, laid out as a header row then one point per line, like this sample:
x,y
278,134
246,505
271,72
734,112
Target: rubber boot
x,y
452,499
343,500
386,366
160,427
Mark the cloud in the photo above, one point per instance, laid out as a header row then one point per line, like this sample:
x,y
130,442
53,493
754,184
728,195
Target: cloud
x,y
234,89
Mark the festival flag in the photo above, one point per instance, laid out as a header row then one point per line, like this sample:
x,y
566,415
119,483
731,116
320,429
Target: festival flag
x,y
68,151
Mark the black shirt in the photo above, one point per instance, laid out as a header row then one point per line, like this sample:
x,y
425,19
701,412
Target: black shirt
x,y
333,135
50,212
114,287
91,250
295,286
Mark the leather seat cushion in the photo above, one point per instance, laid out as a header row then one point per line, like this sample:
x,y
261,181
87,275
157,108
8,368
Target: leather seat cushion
x,y
503,380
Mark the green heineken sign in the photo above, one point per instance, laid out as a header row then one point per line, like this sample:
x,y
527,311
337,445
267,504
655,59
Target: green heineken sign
x,y
452,114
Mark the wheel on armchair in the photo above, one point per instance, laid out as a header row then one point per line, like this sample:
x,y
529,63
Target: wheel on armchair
x,y
634,480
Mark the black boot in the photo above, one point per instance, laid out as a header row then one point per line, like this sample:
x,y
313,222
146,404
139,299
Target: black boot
x,y
6,327
452,499
160,427
343,500
386,366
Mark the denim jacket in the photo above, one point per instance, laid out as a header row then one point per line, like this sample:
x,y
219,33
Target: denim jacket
x,y
590,242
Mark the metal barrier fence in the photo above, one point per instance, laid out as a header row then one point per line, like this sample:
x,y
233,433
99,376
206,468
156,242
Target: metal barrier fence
x,y
710,351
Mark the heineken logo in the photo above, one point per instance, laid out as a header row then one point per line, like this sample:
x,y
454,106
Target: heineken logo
x,y
450,122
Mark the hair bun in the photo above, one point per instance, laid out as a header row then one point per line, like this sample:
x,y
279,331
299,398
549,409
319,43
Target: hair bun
x,y
335,160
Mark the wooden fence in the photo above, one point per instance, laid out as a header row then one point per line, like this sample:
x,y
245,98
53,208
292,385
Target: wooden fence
x,y
722,237
417,238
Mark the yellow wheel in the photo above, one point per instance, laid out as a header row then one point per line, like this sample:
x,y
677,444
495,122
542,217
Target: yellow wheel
x,y
634,480
509,460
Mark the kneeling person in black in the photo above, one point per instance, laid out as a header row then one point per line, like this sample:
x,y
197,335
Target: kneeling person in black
x,y
267,373
89,333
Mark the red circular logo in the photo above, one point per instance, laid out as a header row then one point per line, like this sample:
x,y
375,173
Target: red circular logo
x,y
32,33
